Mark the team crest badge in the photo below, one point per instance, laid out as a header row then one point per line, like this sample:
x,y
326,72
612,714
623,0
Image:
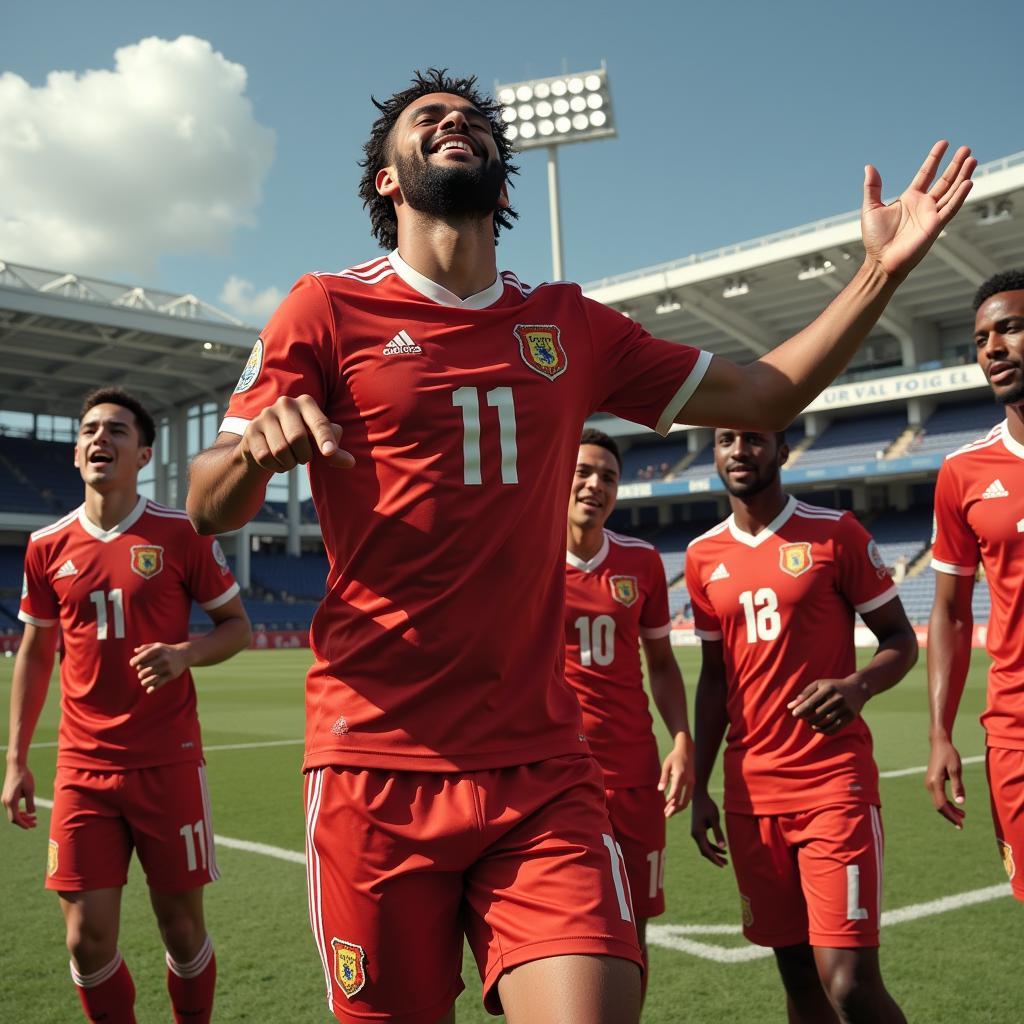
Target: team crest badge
x,y
624,589
746,913
51,858
1006,852
876,559
252,368
147,559
795,559
219,557
540,345
349,966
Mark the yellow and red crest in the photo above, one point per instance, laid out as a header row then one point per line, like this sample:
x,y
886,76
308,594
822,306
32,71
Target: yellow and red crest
x,y
349,966
746,912
1006,852
540,345
625,589
795,559
147,559
51,858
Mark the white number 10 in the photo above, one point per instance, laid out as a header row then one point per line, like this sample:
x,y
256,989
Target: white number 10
x,y
468,400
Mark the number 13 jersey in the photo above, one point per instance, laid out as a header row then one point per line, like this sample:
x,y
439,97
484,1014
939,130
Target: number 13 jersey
x,y
438,645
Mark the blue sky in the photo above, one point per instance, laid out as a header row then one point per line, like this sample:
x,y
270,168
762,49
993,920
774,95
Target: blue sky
x,y
735,120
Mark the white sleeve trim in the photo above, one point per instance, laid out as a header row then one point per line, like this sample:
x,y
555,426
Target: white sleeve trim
x,y
683,395
655,632
876,602
223,599
233,425
953,570
33,621
708,634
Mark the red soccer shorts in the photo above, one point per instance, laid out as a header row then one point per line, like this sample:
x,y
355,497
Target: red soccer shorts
x,y
401,864
638,823
1005,769
811,877
100,816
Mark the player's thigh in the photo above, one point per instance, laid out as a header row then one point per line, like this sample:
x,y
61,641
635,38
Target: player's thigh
x,y
553,884
92,921
168,810
1005,770
840,857
768,877
90,843
385,857
638,823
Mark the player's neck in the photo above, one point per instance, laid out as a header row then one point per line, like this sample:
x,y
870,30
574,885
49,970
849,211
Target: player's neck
x,y
459,256
1015,422
584,543
107,510
753,514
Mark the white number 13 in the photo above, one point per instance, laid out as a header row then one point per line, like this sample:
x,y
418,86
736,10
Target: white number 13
x,y
761,608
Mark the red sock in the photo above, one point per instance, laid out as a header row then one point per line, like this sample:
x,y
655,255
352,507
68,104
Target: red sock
x,y
107,995
191,986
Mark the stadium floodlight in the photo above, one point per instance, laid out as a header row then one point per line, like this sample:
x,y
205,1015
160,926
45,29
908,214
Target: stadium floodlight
x,y
735,287
551,112
816,266
668,304
995,212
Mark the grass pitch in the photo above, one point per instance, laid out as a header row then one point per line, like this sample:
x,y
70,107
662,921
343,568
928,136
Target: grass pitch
x,y
956,963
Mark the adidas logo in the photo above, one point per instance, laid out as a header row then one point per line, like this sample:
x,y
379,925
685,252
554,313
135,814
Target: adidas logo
x,y
67,569
402,345
720,573
995,490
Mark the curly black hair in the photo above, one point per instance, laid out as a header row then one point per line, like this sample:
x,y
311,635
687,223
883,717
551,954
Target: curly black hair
x,y
383,221
1006,281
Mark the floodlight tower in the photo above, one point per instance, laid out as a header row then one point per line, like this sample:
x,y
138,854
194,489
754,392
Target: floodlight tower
x,y
552,112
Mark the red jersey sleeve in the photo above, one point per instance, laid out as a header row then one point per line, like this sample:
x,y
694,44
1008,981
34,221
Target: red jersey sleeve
x,y
293,356
954,544
639,377
862,574
39,606
654,617
706,622
210,581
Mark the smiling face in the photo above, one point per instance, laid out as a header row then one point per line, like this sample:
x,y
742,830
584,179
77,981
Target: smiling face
x,y
595,486
109,451
748,461
999,338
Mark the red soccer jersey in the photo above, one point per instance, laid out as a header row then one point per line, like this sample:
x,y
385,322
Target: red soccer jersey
x,y
782,603
612,601
111,591
439,645
979,505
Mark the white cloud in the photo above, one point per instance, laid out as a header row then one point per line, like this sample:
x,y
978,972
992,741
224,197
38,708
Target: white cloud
x,y
103,171
251,305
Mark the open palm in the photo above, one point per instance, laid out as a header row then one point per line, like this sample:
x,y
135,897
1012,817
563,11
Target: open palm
x,y
898,235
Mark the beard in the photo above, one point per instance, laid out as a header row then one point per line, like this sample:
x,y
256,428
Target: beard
x,y
1011,396
756,486
453,192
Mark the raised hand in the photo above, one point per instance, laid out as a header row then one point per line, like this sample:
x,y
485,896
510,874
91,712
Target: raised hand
x,y
897,236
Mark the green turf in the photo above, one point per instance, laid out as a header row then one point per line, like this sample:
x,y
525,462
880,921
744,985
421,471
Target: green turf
x,y
957,967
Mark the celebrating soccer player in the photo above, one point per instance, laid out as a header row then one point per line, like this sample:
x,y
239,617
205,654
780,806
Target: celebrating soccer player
x,y
978,519
439,406
118,576
616,599
774,591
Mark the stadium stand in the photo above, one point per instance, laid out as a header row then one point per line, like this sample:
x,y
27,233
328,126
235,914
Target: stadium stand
x,y
652,460
952,426
297,577
851,440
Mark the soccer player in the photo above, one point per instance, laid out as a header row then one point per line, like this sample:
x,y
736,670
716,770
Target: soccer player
x,y
616,599
774,590
978,519
447,783
117,576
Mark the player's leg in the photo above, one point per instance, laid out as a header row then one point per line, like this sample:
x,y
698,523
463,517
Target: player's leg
x,y
191,961
806,1002
549,915
855,988
1005,769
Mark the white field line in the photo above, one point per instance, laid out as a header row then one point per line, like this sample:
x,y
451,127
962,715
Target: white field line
x,y
922,768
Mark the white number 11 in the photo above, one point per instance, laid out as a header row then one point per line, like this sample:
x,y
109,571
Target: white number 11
x,y
468,400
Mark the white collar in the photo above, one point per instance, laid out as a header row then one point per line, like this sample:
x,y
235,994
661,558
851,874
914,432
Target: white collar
x,y
578,563
115,531
755,540
1012,444
439,294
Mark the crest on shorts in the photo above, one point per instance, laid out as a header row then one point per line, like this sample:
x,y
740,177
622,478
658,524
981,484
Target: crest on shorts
x,y
624,589
1006,852
540,345
147,559
349,966
746,913
795,559
51,858
252,368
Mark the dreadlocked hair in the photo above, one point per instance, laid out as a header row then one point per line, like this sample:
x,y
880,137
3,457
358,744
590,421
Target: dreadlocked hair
x,y
377,149
1007,281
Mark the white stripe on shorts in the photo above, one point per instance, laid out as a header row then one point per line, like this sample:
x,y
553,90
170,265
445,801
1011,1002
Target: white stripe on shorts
x,y
876,829
314,793
211,851
618,870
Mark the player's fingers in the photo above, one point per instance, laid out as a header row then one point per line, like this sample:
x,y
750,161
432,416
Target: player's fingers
x,y
872,188
280,450
952,814
927,170
318,425
948,210
256,448
295,434
952,175
957,785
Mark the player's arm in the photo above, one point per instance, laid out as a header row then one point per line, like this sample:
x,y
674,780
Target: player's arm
x,y
771,392
32,668
828,705
949,656
158,664
711,722
669,693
